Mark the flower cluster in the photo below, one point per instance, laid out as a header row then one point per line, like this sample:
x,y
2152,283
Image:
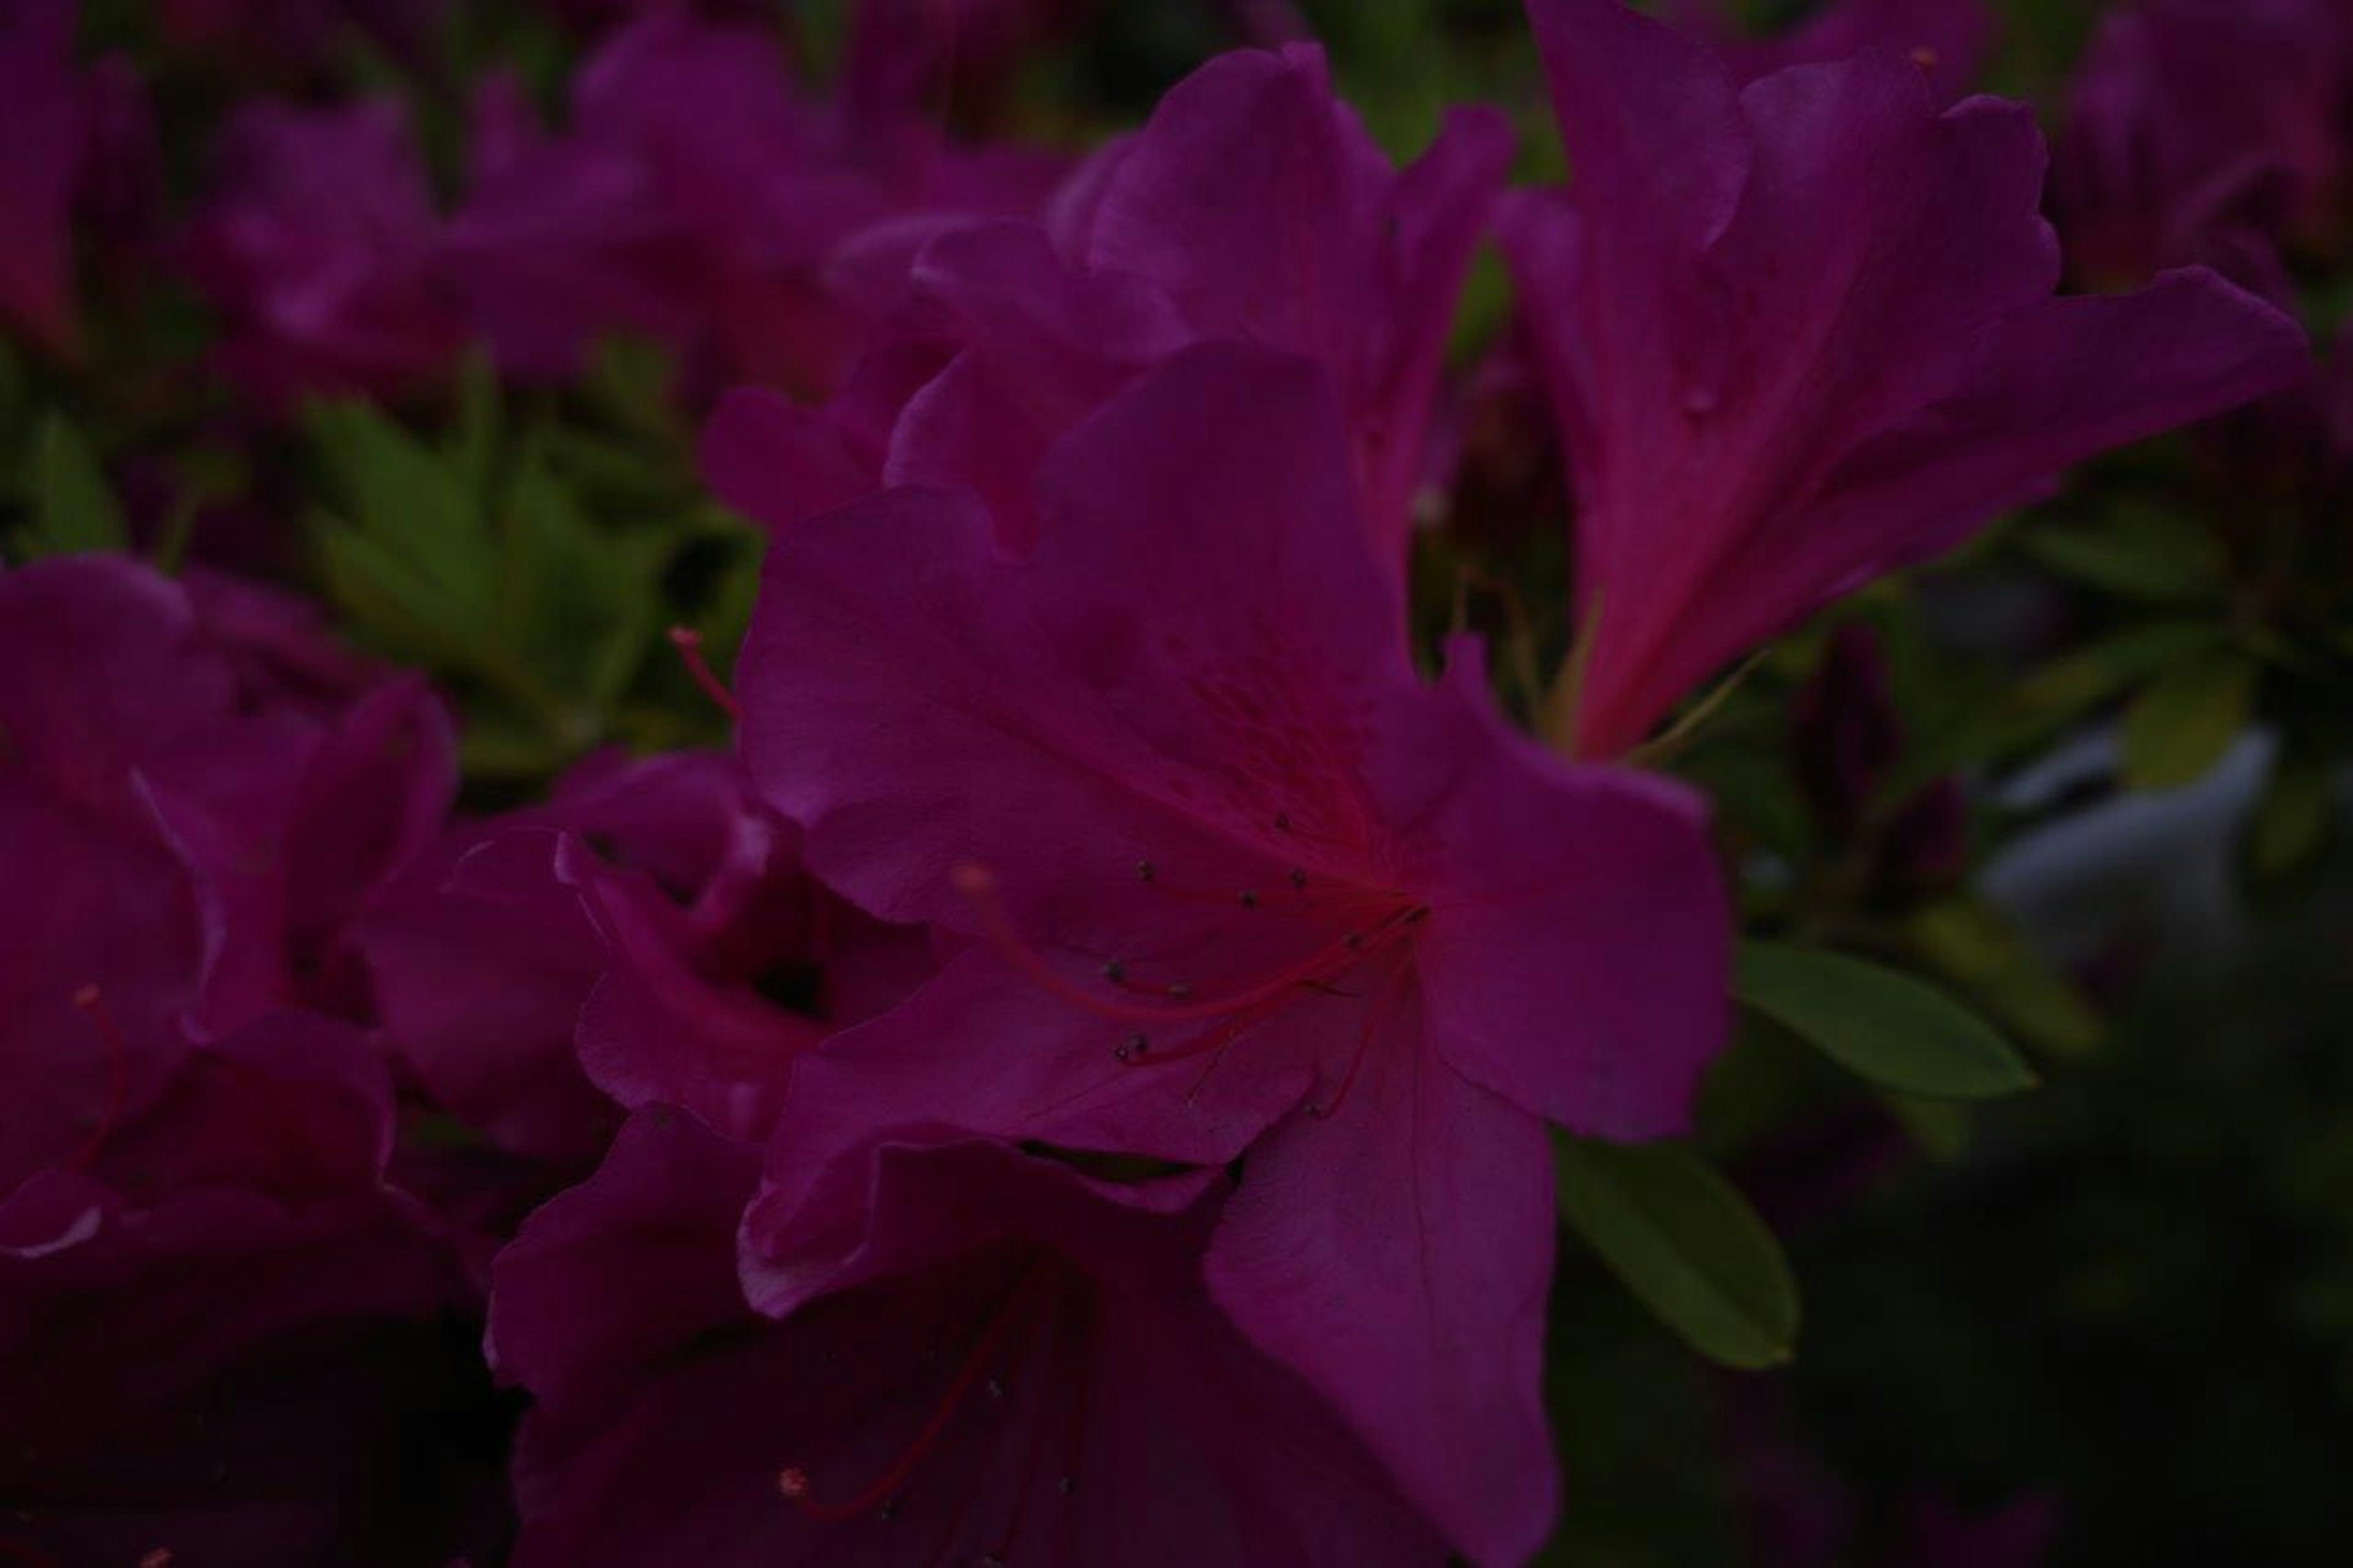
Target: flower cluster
x,y
1085,1076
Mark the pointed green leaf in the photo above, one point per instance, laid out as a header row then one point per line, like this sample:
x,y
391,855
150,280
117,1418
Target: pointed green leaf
x,y
1684,1241
2179,727
1883,1026
2137,553
2293,822
413,503
74,507
1972,945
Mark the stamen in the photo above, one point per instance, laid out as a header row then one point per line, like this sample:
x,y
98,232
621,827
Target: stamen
x,y
977,883
1925,58
794,1481
689,643
92,1001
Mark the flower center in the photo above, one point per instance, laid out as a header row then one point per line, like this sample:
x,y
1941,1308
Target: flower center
x,y
1367,937
1038,1326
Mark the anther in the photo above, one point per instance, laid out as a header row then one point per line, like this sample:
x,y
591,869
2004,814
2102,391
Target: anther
x,y
1250,899
1179,992
996,1389
1128,1049
1299,879
1355,940
1115,972
793,1482
1064,1486
1145,870
1926,57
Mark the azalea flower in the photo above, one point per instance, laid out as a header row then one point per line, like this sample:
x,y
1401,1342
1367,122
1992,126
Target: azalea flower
x,y
1011,1363
2207,131
39,163
1802,334
231,1237
319,246
646,935
692,196
1238,883
1949,39
1189,231
191,823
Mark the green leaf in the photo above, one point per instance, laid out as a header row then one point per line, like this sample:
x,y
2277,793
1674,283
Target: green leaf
x,y
414,504
2029,712
1684,1241
2293,821
1939,1128
1972,944
1887,1028
2139,552
2181,724
74,508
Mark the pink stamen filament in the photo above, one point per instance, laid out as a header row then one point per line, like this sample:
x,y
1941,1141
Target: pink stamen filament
x,y
794,1482
689,643
92,1001
977,884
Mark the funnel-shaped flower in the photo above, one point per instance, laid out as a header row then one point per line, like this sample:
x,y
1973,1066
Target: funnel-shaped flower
x,y
212,1323
1240,880
1802,334
189,823
39,158
1013,1363
1252,208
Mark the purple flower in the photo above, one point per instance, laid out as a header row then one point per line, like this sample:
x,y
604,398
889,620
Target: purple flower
x,y
648,934
1949,39
695,198
319,248
1191,230
210,1318
191,822
2206,131
293,36
1237,880
977,1356
1802,334
40,161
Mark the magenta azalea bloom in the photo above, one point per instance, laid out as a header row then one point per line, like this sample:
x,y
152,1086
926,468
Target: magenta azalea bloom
x,y
2206,131
650,932
40,159
210,1317
1239,880
1181,234
692,196
1802,334
983,1357
189,828
1949,39
319,248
